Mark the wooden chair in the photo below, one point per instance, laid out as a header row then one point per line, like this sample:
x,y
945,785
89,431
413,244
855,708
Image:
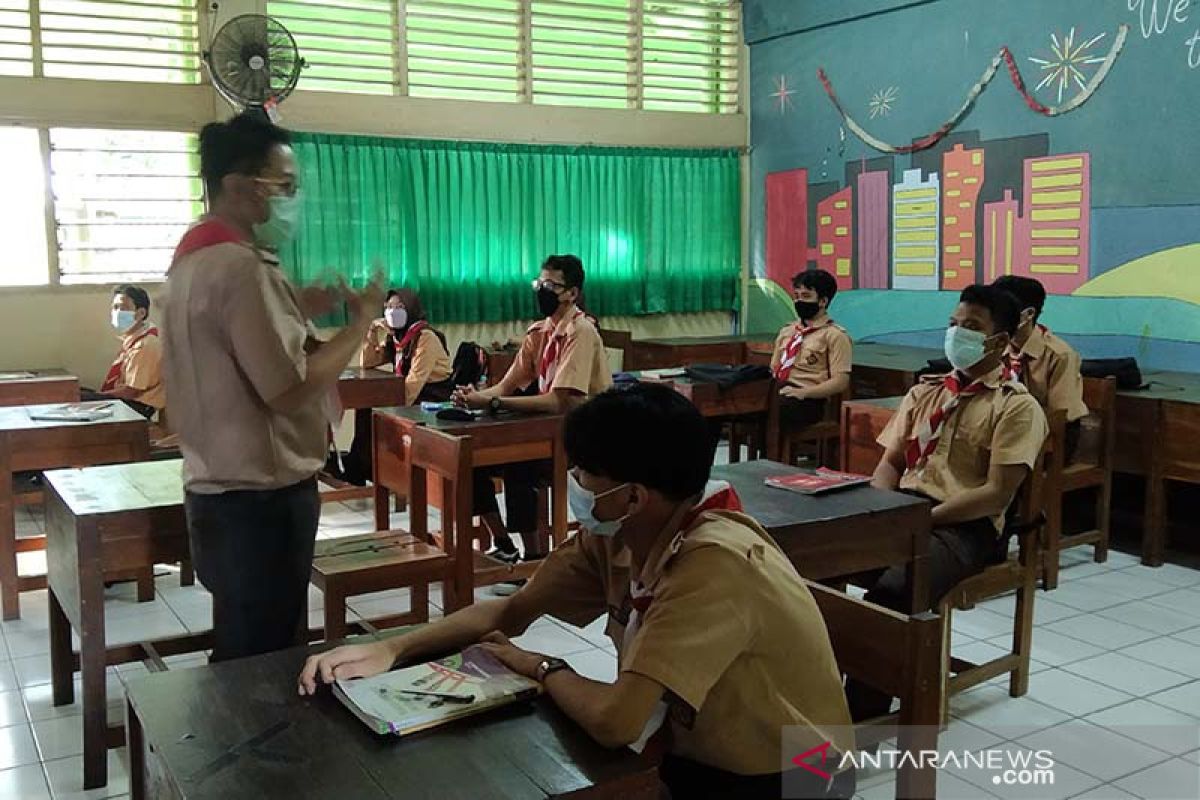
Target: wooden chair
x,y
618,340
1018,573
1092,469
897,654
375,562
820,439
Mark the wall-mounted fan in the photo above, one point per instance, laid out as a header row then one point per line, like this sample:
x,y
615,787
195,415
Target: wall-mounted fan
x,y
254,62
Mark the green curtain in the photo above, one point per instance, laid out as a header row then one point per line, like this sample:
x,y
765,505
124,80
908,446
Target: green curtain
x,y
467,224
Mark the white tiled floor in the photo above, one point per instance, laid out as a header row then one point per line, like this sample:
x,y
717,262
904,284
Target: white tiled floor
x,y
1116,646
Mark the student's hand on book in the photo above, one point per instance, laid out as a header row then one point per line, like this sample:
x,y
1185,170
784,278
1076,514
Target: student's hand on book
x,y
794,392
349,661
519,661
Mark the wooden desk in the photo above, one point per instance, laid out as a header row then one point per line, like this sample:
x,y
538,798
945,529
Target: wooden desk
x,y
104,522
1158,436
45,386
862,423
884,370
239,730
840,533
664,353
361,389
30,445
493,446
744,399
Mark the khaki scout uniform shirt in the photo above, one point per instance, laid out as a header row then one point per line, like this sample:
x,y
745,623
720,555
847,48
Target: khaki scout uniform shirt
x,y
732,634
582,360
141,365
1003,426
1050,370
430,362
234,336
824,353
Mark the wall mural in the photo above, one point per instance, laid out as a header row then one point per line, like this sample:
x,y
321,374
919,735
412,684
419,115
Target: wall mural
x,y
959,204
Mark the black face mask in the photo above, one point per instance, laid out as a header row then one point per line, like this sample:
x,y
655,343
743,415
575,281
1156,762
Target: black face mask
x,y
547,301
807,310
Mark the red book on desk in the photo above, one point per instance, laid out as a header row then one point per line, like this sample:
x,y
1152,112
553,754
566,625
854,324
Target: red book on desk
x,y
823,480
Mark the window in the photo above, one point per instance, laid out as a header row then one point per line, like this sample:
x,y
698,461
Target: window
x,y
22,209
16,48
122,199
674,55
349,47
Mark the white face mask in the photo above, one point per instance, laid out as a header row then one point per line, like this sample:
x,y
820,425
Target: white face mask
x,y
583,506
123,320
964,348
396,318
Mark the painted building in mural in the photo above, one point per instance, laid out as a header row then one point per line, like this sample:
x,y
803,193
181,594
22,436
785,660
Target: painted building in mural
x,y
1005,239
835,236
874,216
787,225
916,226
1058,203
962,180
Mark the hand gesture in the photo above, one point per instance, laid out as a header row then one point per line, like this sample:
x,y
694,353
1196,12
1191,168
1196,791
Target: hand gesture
x,y
365,303
350,661
794,392
522,662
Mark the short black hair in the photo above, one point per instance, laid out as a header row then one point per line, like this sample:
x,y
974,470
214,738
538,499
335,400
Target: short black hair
x,y
240,145
1003,307
643,433
819,280
1029,291
570,266
137,294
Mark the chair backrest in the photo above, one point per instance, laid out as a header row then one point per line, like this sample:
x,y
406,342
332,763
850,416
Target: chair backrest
x,y
1100,396
1027,513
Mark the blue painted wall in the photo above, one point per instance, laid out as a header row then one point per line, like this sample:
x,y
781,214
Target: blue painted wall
x,y
1141,130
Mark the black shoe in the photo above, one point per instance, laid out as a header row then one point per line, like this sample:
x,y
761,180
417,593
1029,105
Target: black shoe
x,y
509,557
507,588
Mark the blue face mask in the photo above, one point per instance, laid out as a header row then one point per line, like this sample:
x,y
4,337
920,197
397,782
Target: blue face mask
x,y
123,320
964,348
583,506
283,223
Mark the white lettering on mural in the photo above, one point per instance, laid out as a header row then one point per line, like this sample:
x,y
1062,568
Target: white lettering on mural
x,y
1156,17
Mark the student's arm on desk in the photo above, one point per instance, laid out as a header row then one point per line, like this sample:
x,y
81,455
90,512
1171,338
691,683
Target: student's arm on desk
x,y
450,634
830,388
889,470
992,498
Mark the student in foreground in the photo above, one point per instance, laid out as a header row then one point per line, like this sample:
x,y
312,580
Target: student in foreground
x,y
1048,366
562,362
812,357
136,373
714,629
965,441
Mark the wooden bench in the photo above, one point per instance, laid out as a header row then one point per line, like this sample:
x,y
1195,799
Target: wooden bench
x,y
897,654
376,562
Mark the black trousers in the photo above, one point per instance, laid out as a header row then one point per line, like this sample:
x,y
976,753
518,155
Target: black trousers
x,y
955,553
521,482
795,413
253,551
90,395
691,780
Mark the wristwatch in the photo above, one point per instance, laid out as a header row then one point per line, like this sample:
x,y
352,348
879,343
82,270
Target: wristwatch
x,y
494,405
550,665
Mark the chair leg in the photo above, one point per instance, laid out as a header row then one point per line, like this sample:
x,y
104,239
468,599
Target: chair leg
x,y
187,573
1018,683
419,601
1103,520
335,614
145,585
1052,542
735,443
947,613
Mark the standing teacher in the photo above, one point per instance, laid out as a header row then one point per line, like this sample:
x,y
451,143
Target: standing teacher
x,y
250,387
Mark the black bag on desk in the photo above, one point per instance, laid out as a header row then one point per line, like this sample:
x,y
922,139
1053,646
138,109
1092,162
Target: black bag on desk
x,y
725,376
936,366
468,366
1125,370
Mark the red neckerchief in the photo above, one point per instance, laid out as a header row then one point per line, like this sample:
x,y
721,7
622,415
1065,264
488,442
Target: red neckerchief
x,y
921,446
551,351
208,233
410,336
1014,365
113,377
792,349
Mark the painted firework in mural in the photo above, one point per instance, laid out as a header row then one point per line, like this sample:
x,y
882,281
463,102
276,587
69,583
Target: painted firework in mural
x,y
965,211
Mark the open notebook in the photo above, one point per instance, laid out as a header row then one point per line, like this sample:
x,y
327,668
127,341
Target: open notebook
x,y
74,412
413,699
818,482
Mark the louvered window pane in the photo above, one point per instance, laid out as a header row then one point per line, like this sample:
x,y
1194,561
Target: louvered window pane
x,y
464,49
22,210
349,47
690,55
155,41
122,199
16,49
581,52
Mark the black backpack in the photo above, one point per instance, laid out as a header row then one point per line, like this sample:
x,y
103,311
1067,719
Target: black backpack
x,y
470,362
1125,370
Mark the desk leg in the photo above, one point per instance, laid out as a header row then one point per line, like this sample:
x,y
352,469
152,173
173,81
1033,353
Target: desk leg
x,y
135,746
8,541
1154,531
61,673
383,512
918,580
92,663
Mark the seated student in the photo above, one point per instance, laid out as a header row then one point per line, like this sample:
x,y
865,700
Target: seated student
x,y
714,629
417,353
562,360
966,441
1048,366
812,356
136,374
